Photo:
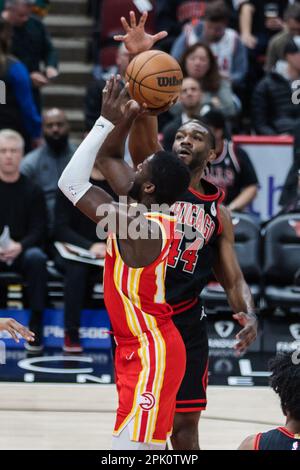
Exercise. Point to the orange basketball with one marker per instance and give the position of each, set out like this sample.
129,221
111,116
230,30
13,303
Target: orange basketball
154,78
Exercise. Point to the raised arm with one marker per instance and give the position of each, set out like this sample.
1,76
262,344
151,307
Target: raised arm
110,158
230,276
143,138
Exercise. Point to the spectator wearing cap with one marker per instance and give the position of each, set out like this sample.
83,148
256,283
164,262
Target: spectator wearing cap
232,170
277,44
275,105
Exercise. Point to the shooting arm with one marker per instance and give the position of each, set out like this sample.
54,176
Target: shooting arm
74,181
110,162
143,138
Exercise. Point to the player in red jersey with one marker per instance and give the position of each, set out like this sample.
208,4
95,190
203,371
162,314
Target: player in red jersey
285,381
190,265
150,354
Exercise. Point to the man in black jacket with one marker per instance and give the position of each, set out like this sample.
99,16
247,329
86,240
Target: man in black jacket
276,107
23,213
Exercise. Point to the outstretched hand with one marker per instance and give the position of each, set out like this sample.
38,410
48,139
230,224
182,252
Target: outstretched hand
116,103
135,38
14,328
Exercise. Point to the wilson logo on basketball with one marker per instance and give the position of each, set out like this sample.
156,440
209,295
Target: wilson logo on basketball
168,81
147,401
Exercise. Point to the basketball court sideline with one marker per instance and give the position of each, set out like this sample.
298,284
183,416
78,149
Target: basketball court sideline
66,416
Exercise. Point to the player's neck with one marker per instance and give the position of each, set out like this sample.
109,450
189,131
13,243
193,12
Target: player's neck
196,181
293,426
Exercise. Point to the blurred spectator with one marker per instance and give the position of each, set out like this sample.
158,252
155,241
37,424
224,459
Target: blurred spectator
19,112
40,7
93,97
45,164
71,226
23,210
277,44
291,190
31,43
260,20
232,170
225,42
274,109
198,62
190,101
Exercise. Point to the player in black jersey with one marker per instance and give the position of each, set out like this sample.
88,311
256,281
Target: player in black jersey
285,381
192,259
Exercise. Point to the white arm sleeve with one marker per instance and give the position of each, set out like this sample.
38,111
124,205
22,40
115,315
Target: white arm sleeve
74,181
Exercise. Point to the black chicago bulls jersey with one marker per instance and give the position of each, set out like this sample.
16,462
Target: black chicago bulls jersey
193,250
277,439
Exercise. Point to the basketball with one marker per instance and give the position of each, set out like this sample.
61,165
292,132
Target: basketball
154,78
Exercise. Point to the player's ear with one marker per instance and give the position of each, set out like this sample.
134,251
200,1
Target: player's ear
212,155
148,187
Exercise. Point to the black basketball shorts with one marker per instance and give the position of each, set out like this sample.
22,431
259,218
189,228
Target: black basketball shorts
192,326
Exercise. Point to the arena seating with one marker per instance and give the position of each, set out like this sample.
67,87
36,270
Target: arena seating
282,262
247,244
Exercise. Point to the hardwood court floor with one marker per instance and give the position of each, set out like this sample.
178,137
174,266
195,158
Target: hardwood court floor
52,416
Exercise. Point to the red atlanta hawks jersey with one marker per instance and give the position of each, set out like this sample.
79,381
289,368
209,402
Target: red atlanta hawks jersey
135,297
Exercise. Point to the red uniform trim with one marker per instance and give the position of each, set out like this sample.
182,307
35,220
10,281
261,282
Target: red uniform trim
189,410
257,441
202,400
205,197
205,377
286,432
220,229
185,307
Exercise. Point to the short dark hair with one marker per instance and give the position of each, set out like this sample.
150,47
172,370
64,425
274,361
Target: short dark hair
199,120
170,176
215,118
217,11
285,381
292,12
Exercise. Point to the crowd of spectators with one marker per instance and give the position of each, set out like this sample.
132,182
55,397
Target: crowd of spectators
240,60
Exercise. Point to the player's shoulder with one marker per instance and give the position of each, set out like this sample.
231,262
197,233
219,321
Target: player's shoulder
248,443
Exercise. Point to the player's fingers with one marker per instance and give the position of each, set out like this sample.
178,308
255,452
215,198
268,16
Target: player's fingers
116,87
25,333
13,334
132,19
124,95
143,19
159,36
125,24
110,85
119,37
